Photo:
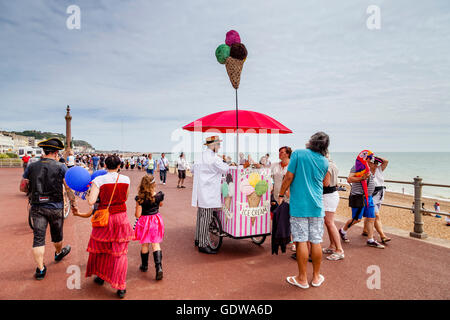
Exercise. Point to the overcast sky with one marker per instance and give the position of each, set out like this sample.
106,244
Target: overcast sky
137,71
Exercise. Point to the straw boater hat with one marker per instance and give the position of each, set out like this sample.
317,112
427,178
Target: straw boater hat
211,140
52,144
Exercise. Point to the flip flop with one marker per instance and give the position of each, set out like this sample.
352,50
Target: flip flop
322,279
291,280
385,240
336,256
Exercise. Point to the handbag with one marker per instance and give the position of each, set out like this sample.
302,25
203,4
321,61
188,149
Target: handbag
101,217
356,201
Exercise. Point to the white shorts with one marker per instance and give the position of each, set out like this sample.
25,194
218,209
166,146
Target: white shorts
378,200
331,201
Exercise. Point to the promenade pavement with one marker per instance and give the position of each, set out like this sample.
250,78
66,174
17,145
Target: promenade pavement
409,269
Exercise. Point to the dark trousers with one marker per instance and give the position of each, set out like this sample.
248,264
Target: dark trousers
163,175
42,217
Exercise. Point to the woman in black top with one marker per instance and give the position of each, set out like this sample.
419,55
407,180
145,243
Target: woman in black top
149,227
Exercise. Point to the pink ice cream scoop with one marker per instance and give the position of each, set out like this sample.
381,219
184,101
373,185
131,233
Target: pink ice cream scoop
232,37
246,188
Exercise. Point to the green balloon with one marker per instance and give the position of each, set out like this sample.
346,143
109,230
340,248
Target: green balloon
225,190
261,187
222,53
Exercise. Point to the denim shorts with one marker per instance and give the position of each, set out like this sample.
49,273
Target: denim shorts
307,229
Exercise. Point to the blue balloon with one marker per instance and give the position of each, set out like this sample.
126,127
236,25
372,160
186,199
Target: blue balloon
78,178
98,173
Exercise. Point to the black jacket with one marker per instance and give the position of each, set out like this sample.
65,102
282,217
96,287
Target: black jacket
281,228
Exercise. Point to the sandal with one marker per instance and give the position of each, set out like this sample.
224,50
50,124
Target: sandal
322,279
385,239
336,256
328,251
364,234
293,281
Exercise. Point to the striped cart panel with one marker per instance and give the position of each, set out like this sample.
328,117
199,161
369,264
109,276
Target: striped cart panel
236,220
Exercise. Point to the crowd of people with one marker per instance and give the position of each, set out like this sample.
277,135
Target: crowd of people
311,209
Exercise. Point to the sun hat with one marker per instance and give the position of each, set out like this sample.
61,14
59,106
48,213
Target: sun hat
211,140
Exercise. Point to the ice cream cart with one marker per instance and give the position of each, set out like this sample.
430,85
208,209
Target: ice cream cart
245,211
245,206
245,196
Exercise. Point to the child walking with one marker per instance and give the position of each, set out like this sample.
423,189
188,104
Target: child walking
149,228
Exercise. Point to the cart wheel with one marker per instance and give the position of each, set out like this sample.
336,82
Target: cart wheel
259,240
215,231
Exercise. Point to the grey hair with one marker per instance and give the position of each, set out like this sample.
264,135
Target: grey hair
319,143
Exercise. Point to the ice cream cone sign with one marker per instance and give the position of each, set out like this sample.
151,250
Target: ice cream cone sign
254,188
228,193
232,53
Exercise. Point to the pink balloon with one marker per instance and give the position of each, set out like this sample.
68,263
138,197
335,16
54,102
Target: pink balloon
246,188
232,37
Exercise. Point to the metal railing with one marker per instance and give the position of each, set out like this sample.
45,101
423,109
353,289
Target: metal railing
10,163
416,208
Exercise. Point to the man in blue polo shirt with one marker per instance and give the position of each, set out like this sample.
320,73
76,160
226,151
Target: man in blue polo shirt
306,176
95,161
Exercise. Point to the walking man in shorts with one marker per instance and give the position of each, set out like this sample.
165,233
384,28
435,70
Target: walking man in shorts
306,175
43,181
367,210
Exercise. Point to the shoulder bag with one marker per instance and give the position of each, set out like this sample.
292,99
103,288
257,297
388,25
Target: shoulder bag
101,217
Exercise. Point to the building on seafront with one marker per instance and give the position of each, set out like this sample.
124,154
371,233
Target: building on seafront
12,142
6,143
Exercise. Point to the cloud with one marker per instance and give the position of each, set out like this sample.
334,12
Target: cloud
138,70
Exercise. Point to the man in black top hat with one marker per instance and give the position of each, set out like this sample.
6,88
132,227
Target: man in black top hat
43,181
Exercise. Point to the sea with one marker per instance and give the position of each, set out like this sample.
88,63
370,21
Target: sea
432,167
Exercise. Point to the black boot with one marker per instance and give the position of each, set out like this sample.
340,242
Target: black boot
157,256
144,265
121,293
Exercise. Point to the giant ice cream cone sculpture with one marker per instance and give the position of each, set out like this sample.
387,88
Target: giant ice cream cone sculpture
234,69
233,54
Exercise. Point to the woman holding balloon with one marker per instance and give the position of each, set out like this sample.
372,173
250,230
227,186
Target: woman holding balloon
108,245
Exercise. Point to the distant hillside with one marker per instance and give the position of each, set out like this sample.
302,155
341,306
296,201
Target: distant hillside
38,135
81,143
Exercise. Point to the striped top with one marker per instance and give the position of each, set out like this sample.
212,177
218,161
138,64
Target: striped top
105,183
357,186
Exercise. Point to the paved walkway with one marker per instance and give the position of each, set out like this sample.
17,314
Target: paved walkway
410,269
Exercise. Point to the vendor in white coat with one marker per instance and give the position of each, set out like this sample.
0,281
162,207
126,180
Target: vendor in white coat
206,190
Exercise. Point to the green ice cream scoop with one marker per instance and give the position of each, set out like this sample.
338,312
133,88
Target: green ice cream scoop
261,187
225,189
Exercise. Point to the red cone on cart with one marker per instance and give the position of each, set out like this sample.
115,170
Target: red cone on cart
234,69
